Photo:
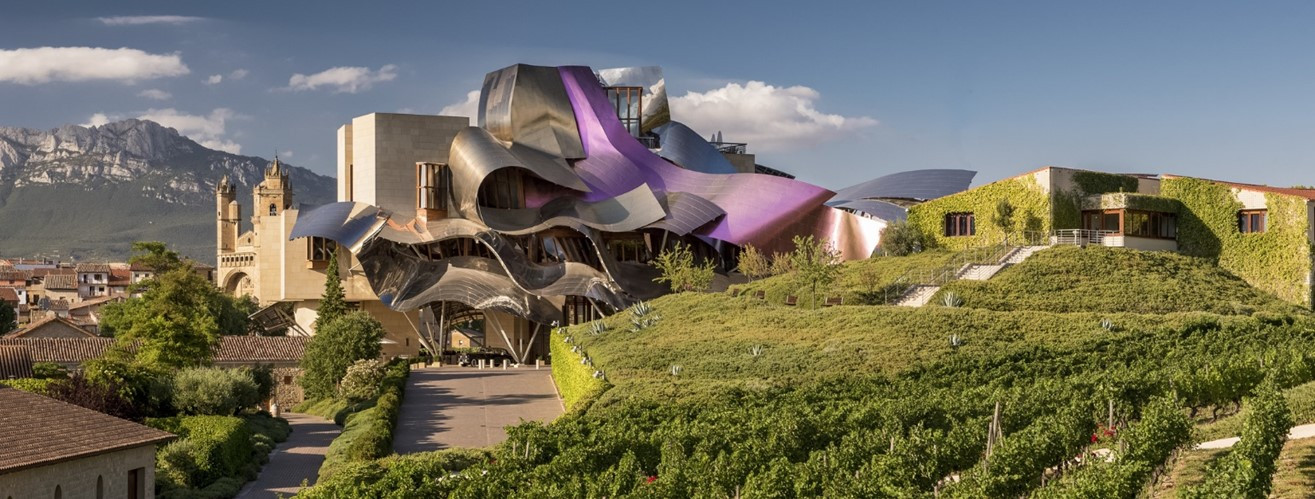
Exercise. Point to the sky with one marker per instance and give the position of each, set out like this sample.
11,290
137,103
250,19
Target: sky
834,92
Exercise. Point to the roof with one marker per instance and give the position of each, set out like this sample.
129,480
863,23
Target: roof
43,272
1307,194
48,319
101,300
140,267
9,295
15,362
231,349
120,277
46,431
92,267
61,281
15,275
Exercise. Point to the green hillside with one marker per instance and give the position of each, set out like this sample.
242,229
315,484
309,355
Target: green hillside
734,396
1100,279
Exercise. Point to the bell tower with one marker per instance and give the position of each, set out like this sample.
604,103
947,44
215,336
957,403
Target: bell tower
273,195
229,216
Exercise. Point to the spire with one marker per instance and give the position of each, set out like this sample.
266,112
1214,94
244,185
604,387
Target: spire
224,185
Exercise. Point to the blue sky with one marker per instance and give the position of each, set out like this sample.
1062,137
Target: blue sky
833,92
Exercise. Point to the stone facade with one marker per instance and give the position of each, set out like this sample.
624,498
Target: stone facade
92,477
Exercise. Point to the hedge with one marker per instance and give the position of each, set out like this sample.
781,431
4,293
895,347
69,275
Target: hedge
575,381
367,432
30,385
214,455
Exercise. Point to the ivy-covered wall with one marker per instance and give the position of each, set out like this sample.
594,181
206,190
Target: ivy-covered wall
1072,186
1277,260
1031,212
1132,201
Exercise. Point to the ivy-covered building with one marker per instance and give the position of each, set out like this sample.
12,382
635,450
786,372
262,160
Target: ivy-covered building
1265,235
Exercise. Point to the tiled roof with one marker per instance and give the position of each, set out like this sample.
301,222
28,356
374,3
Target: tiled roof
1308,194
8,295
15,362
93,267
94,302
60,304
120,277
260,348
15,275
41,431
141,267
230,348
61,281
43,272
49,318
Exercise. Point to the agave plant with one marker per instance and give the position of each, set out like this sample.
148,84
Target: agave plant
675,370
956,341
952,299
1107,324
757,350
597,327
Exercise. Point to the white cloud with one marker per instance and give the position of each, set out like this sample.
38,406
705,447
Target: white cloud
468,107
238,74
286,154
155,94
342,79
208,130
46,64
213,80
768,117
98,119
139,20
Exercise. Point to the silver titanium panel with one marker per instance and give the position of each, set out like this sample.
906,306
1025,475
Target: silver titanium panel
874,208
528,105
684,147
347,223
912,184
686,212
623,213
476,154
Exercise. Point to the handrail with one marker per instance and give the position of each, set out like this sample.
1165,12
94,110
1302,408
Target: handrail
983,255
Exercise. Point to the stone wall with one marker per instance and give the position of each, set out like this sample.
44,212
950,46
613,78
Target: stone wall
287,394
80,478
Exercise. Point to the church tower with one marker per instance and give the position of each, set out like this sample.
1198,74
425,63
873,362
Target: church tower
273,195
229,216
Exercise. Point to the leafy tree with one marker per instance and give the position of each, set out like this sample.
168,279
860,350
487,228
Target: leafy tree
80,391
901,239
336,345
173,324
753,263
8,318
781,263
1004,218
214,391
334,302
49,370
816,262
680,272
157,256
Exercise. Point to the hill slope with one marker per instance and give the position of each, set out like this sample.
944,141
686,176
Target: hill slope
86,192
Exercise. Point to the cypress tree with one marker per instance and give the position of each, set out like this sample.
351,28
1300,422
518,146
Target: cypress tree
334,303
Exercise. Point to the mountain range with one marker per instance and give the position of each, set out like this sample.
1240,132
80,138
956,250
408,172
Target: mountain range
86,193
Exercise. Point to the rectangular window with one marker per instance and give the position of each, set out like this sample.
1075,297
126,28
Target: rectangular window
319,249
1151,224
628,102
432,181
1251,221
960,224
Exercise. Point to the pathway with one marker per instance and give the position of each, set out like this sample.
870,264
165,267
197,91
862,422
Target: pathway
1296,433
296,459
448,407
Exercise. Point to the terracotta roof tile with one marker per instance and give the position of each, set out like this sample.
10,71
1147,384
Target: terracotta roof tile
230,348
43,272
92,267
46,431
15,275
61,281
95,302
9,295
49,318
120,277
15,362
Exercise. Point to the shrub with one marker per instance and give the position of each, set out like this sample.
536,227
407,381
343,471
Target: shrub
753,263
368,433
335,346
680,272
901,239
48,370
211,390
575,381
30,385
105,398
210,448
362,380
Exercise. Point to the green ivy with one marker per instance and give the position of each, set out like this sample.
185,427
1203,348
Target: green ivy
1090,183
1134,201
1277,260
1031,212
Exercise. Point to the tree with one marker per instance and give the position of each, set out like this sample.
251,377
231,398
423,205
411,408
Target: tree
781,263
157,256
8,318
817,263
173,324
1004,218
214,391
334,302
753,263
680,272
901,238
336,345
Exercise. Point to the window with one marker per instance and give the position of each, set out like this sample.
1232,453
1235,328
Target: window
1150,224
287,380
432,181
100,487
319,249
578,310
59,492
273,209
960,224
1251,221
502,189
629,104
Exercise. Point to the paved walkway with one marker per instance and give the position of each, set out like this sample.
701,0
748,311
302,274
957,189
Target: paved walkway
1296,433
294,460
467,407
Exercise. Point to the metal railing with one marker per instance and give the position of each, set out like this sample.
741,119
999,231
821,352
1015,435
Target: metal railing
950,271
1081,237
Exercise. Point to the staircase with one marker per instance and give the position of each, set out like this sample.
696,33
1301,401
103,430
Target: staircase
919,287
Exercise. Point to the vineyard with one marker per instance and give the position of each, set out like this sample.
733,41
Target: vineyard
722,395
